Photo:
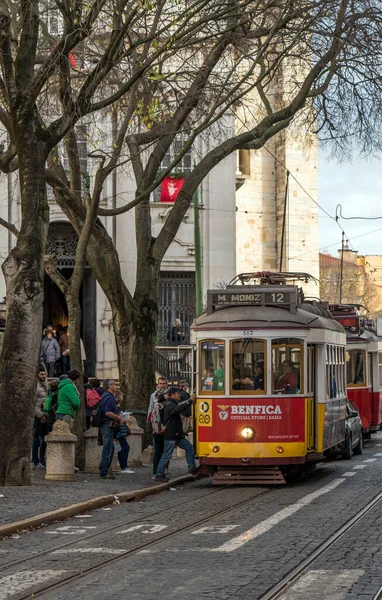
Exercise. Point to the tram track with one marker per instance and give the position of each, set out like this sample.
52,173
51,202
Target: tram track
72,576
294,575
110,529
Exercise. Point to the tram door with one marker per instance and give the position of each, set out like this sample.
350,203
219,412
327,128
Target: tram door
310,400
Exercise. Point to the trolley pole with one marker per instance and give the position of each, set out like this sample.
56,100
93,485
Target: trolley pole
342,265
198,256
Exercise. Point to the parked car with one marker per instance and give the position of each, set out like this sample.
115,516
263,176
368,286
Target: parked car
353,443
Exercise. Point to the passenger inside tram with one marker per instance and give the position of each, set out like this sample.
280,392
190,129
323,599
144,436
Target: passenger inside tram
208,380
219,376
287,382
256,381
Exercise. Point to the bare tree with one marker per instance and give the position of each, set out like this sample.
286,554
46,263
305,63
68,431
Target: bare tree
170,67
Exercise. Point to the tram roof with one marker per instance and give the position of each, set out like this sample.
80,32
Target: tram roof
262,317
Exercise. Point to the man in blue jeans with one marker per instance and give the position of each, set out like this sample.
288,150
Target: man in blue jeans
173,434
110,412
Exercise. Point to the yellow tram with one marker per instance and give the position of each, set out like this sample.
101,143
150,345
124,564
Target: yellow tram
271,382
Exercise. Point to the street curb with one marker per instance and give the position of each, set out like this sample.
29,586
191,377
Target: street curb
87,505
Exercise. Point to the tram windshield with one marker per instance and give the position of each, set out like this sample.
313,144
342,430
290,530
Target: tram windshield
355,367
287,366
248,366
212,369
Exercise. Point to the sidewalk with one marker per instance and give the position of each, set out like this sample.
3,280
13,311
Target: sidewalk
43,496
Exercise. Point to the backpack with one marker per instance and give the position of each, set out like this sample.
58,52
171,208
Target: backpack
92,397
96,417
157,418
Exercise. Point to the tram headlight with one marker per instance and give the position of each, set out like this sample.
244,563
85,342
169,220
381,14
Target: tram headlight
216,449
279,449
247,433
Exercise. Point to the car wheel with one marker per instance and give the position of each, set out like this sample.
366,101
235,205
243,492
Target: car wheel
347,453
359,447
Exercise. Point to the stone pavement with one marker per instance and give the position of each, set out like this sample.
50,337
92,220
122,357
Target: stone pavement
42,496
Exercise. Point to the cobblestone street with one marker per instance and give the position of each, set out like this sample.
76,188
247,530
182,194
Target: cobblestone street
200,541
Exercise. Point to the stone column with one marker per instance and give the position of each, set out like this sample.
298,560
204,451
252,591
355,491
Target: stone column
92,450
60,453
135,442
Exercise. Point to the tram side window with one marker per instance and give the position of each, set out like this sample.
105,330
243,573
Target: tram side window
248,366
335,371
355,367
287,366
212,368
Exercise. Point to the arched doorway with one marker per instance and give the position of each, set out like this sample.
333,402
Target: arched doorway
62,243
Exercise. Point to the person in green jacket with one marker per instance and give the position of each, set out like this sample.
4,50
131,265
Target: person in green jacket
68,398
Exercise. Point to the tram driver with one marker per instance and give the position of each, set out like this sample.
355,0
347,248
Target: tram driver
287,382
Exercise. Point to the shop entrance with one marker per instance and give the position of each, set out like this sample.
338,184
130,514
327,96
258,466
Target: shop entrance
62,243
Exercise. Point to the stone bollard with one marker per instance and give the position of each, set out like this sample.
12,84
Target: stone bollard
147,456
135,442
60,453
92,450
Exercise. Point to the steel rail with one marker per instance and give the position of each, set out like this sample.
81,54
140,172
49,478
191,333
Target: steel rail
114,559
296,573
108,528
378,595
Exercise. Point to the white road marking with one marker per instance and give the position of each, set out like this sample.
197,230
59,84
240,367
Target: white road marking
266,525
214,529
151,528
359,467
22,580
71,529
89,551
316,585
378,454
348,474
369,460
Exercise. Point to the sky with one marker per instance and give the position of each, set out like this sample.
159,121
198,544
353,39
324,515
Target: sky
357,186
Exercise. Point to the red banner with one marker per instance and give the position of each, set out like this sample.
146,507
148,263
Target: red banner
277,420
170,188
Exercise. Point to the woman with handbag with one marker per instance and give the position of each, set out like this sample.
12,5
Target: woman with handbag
123,449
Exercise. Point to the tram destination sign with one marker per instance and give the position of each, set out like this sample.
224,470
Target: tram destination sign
285,296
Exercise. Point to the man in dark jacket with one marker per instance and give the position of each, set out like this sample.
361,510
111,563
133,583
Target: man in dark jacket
173,435
110,412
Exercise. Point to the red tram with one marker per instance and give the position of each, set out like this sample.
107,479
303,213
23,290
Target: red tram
363,365
271,382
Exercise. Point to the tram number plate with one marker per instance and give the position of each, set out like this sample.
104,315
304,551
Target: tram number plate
275,298
247,333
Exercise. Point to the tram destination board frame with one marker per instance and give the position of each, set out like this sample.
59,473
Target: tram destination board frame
285,296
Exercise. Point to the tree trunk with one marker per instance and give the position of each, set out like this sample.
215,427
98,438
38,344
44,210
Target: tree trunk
74,321
24,276
137,364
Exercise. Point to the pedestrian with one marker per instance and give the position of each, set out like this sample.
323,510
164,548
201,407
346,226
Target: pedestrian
111,420
158,442
123,453
51,403
39,425
64,349
68,398
50,352
92,397
175,335
158,428
161,385
174,435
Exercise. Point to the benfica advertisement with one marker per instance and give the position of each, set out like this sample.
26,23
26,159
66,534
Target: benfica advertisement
280,419
170,188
